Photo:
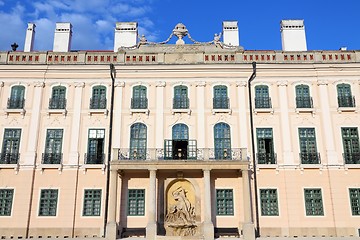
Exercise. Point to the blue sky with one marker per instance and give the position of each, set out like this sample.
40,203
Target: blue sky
329,24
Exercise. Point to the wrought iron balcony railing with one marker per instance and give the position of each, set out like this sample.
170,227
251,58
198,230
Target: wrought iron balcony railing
97,103
139,103
181,103
266,158
352,158
94,158
346,101
200,154
309,158
221,103
263,102
57,103
9,158
16,103
304,102
51,158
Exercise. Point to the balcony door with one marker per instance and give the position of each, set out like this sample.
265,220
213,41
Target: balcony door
222,141
180,147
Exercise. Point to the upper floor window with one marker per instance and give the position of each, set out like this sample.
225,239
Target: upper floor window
180,146
222,141
17,98
181,100
180,131
265,145
53,146
262,99
58,98
308,150
139,99
303,99
138,138
345,99
221,99
98,98
350,139
95,153
10,147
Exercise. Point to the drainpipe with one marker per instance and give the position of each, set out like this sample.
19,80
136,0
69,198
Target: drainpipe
252,77
112,75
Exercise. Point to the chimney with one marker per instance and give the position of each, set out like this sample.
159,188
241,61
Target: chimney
62,37
126,35
29,39
293,35
230,33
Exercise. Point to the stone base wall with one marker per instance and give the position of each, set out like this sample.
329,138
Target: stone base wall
308,232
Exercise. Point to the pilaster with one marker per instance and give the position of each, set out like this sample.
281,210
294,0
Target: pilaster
118,99
200,90
243,116
159,142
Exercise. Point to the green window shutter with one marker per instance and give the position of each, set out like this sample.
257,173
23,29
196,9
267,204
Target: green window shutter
345,98
351,147
98,99
303,99
136,202
139,99
92,202
308,149
10,146
138,139
313,202
269,202
16,100
181,100
355,201
58,98
6,200
48,202
224,202
220,100
262,99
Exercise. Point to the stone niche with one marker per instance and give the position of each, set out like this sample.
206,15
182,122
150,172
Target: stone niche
182,213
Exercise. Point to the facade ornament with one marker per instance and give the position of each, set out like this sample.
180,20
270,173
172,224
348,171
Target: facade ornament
119,84
160,84
1,84
322,82
180,31
282,83
39,84
79,84
200,84
241,84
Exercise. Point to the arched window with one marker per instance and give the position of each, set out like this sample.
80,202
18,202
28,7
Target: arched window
262,99
303,99
181,100
138,137
180,132
222,141
139,99
98,98
345,99
58,100
16,100
220,100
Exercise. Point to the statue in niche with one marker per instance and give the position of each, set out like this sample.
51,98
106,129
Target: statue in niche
180,218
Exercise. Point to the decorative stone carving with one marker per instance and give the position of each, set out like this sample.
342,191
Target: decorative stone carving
160,84
180,31
39,84
200,84
322,82
79,84
282,83
241,84
119,84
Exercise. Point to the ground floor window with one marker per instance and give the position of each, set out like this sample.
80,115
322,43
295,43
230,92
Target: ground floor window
6,198
92,202
48,202
136,202
355,201
224,202
269,202
313,202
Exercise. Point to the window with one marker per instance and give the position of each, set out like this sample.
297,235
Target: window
181,100
222,141
308,150
11,145
313,202
138,141
139,99
269,202
92,202
48,202
180,147
303,99
53,153
351,145
262,99
224,202
58,100
136,202
98,99
345,99
95,154
6,199
265,145
355,201
220,100
180,132
16,100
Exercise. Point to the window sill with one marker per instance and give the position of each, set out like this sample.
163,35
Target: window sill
313,166
305,110
264,110
188,111
11,111
101,166
50,166
269,165
145,110
214,111
98,111
56,111
352,165
346,109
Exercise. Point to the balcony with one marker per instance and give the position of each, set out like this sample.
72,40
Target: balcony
352,158
309,158
97,103
51,158
139,103
304,102
57,103
346,101
266,158
15,103
181,103
9,158
221,103
263,105
94,158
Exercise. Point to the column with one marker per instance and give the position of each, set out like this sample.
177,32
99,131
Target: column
151,207
111,228
76,120
208,225
243,116
288,156
200,101
326,124
248,226
159,127
1,89
116,139
29,158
